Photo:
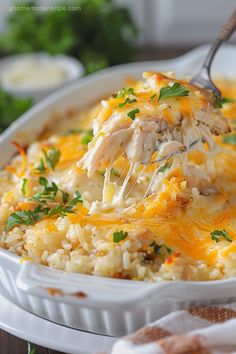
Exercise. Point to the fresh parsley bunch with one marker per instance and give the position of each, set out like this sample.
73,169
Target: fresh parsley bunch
99,34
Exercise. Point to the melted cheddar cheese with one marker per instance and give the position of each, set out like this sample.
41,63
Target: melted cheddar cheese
156,183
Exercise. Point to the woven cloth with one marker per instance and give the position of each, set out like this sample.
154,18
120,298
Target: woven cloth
199,330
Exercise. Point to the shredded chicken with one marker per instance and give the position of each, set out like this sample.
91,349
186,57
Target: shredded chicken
159,130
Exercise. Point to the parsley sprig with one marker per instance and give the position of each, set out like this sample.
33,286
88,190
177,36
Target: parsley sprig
63,210
172,91
26,217
48,192
217,235
77,199
119,236
31,217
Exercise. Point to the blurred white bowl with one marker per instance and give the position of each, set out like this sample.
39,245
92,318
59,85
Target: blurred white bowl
65,70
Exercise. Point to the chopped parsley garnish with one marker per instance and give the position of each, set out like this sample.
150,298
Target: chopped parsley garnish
87,137
119,236
41,167
63,210
228,100
26,217
125,91
23,186
153,96
230,139
52,157
128,100
133,113
49,192
159,249
77,199
31,349
216,235
172,91
220,101
165,167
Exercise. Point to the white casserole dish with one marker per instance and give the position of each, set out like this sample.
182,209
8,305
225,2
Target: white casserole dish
103,305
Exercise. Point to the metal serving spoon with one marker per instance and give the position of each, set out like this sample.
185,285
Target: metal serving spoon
203,77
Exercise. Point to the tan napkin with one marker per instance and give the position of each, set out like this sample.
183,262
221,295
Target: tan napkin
199,330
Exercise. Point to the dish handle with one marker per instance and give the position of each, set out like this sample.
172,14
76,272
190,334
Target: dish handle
97,292
42,281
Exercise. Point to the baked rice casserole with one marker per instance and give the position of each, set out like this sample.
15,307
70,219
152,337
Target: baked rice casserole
140,186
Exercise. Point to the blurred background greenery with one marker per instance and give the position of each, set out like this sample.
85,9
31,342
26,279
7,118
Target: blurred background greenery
101,34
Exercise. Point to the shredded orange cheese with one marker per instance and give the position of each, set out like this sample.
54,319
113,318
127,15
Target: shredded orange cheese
23,158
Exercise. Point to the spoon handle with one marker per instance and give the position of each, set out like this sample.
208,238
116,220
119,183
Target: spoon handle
228,28
223,36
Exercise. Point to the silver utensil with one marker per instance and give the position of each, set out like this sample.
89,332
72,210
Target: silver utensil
203,77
